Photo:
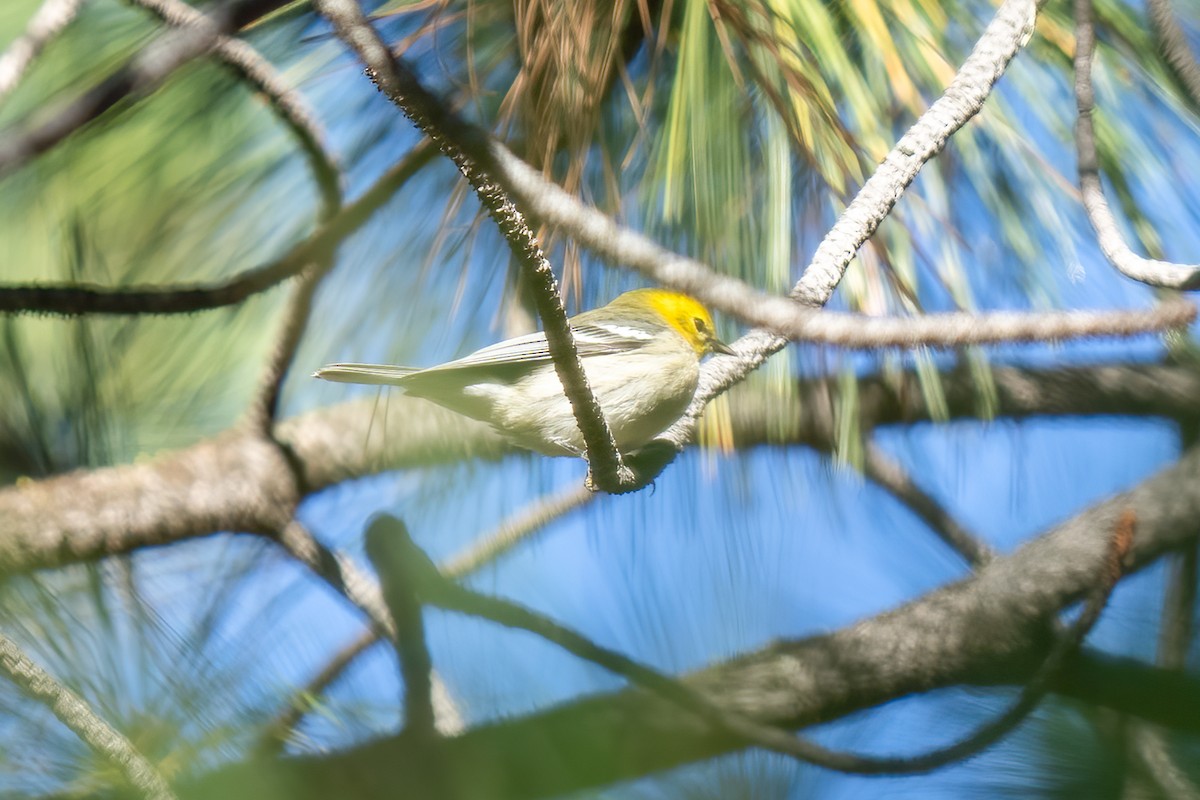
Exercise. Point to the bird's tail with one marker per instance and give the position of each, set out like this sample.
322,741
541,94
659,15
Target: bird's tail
375,374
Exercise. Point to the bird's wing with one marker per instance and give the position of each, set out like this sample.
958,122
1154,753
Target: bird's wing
498,360
591,339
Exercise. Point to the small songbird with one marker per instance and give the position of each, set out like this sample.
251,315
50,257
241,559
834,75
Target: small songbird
641,354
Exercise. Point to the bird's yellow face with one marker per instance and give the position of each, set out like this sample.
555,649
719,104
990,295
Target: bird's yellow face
684,314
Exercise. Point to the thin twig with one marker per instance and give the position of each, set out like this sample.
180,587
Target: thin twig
416,666
73,712
77,299
276,734
892,477
1175,633
352,582
1165,274
433,588
514,530
465,145
47,22
291,107
264,409
141,75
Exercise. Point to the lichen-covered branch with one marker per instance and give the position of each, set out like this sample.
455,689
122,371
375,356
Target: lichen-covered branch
1150,271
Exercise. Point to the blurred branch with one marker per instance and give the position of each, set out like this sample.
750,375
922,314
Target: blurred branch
1151,748
73,712
1179,611
291,107
237,481
1175,633
465,145
76,299
140,76
419,576
352,582
892,477
1150,271
1174,46
48,21
987,629
1007,33
277,732
384,541
484,551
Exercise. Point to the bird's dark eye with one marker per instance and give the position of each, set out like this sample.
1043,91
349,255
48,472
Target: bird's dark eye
701,325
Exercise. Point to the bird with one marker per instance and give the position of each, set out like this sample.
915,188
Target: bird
641,354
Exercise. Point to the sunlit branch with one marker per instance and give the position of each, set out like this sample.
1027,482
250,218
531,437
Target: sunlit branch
891,476
420,575
1151,271
73,712
466,146
1174,46
76,299
291,107
1004,36
47,22
792,320
140,76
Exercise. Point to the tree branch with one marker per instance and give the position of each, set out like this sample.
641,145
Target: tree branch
275,736
983,630
485,551
78,299
291,107
140,76
419,575
1150,271
72,711
48,21
463,145
515,530
892,477
238,481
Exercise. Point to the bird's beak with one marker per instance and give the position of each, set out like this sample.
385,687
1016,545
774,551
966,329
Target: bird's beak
717,346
